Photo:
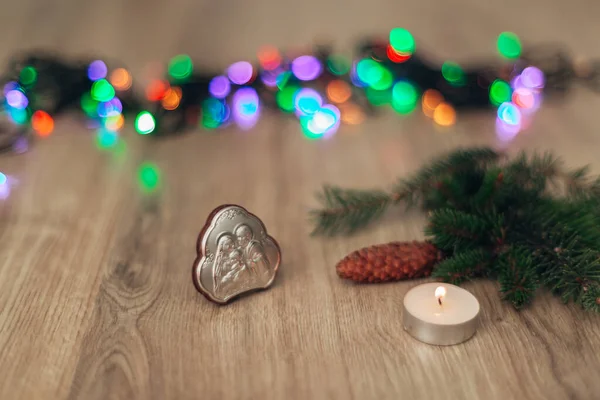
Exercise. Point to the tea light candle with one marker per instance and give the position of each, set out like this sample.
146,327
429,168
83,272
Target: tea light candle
440,314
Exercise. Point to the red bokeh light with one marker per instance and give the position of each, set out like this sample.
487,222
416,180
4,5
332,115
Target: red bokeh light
396,56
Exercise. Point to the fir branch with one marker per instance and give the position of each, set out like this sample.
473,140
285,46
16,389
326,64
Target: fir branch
559,220
546,164
517,277
348,210
492,180
463,266
546,169
577,181
450,229
427,180
590,298
578,272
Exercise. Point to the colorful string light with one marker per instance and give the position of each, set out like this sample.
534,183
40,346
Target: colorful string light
453,73
121,80
28,76
321,90
509,45
42,123
4,186
145,123
500,92
404,97
518,102
240,73
180,67
402,41
149,177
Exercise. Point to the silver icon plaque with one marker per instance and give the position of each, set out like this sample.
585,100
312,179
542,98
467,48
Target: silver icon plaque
235,255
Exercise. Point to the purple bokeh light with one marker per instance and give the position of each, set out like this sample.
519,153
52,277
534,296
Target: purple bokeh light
110,108
506,132
509,122
219,87
4,191
21,145
533,78
270,78
240,72
10,86
97,70
306,68
17,99
5,185
116,103
246,108
516,83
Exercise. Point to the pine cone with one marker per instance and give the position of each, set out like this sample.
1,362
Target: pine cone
394,261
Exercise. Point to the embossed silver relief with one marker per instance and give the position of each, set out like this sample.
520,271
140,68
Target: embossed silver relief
235,255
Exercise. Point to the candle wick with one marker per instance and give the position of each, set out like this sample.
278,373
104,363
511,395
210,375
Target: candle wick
440,300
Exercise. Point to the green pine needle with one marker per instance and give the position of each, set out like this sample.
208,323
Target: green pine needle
517,277
348,210
590,298
452,229
463,266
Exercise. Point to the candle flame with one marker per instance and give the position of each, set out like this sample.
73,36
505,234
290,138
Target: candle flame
440,292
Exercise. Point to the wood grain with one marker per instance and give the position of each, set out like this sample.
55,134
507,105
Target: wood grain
96,300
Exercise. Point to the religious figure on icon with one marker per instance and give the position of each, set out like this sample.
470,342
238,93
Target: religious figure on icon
240,263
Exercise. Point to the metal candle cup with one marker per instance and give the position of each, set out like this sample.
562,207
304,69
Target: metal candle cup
440,314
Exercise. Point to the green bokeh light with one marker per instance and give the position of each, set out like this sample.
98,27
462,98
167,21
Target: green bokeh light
453,74
180,67
385,82
500,92
509,45
214,113
402,41
283,79
149,177
404,97
102,90
209,122
369,71
285,98
89,105
145,123
28,76
338,65
19,115
305,125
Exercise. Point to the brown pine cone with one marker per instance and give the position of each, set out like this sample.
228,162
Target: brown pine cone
394,261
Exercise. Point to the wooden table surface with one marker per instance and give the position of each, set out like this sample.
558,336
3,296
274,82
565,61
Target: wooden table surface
96,300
